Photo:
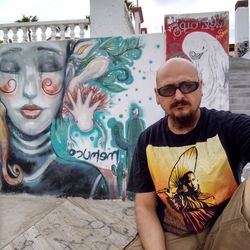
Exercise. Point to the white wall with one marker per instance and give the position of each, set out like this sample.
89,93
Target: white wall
242,32
109,18
241,24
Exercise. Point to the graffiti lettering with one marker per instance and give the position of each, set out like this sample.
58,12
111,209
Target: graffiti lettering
213,23
184,25
221,33
97,155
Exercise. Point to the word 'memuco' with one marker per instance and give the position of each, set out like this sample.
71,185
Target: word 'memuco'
95,155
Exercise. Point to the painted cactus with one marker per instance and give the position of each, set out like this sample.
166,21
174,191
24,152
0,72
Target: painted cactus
134,126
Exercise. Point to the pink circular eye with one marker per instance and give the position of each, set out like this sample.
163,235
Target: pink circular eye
50,87
9,86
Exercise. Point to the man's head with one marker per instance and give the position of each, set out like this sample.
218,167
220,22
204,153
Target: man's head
189,182
178,91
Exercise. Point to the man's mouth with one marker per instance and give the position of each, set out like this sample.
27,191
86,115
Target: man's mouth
31,111
179,104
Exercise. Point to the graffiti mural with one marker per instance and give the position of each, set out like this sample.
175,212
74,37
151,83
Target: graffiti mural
71,112
242,48
203,39
241,45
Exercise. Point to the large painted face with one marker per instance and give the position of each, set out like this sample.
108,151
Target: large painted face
31,83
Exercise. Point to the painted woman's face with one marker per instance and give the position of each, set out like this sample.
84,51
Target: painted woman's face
31,83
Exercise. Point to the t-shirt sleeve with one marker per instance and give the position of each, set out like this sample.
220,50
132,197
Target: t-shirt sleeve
241,135
235,131
140,179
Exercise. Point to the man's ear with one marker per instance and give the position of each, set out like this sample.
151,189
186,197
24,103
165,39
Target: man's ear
156,96
201,86
201,83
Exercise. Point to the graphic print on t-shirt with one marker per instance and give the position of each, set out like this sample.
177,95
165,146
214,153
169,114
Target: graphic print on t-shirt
190,180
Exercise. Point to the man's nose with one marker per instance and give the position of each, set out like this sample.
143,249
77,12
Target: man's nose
30,82
178,94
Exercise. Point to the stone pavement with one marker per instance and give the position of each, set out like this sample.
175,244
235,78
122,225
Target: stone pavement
38,222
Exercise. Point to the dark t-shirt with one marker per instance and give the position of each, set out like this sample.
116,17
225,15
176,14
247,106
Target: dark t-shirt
194,174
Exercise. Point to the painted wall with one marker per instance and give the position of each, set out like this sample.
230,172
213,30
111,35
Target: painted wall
203,39
71,112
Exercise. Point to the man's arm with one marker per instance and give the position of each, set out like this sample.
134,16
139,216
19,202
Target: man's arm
148,224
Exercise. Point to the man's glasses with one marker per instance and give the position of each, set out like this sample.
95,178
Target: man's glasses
185,87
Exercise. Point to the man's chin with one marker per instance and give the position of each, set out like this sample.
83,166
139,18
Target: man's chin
183,118
182,114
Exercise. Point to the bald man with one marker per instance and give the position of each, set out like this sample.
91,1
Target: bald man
170,213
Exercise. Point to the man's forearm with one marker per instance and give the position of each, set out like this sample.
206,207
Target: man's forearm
150,230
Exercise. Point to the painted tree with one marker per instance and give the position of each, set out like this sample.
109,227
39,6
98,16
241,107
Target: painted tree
28,19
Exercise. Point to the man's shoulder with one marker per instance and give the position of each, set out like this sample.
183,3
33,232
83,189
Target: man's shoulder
153,132
155,126
223,120
219,114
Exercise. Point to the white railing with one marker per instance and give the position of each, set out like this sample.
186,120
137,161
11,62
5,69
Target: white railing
40,31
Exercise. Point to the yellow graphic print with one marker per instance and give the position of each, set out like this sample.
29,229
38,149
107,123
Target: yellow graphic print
191,182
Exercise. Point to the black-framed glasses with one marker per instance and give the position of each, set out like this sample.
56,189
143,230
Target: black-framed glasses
185,87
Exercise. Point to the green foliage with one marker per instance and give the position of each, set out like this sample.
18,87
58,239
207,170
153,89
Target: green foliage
27,19
121,52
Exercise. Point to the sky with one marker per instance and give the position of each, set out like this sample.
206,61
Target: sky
153,10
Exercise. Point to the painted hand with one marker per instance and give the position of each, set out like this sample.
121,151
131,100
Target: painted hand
82,111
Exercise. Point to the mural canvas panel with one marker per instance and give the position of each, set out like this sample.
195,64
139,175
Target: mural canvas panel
71,112
203,38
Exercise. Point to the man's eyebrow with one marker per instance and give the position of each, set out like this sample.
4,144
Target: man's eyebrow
10,51
40,48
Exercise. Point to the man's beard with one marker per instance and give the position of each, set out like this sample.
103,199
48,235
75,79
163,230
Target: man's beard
185,121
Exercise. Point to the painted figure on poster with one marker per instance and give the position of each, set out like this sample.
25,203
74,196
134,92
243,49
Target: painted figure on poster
211,61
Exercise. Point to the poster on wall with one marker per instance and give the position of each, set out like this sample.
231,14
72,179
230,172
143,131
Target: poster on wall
203,38
71,112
